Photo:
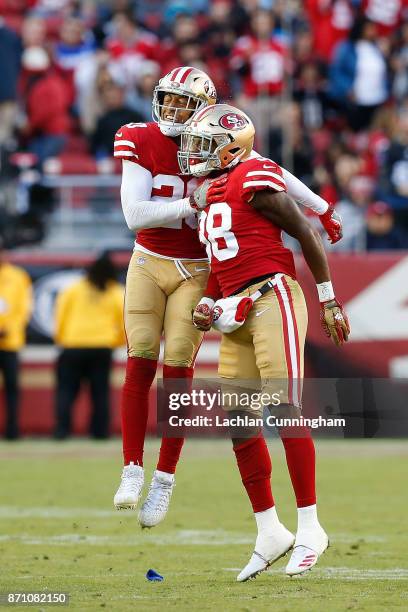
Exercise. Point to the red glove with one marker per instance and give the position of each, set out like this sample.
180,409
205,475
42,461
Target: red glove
334,321
209,192
203,315
331,222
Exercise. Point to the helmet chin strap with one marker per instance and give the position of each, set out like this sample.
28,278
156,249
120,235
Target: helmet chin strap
172,130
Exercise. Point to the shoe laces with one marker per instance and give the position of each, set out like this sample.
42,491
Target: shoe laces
159,495
131,478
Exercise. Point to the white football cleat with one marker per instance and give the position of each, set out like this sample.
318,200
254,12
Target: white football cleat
268,548
131,485
308,547
157,502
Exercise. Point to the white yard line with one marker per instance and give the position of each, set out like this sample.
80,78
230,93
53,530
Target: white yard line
327,573
192,537
345,573
16,512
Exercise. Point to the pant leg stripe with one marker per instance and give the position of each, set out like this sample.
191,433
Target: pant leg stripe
298,379
290,340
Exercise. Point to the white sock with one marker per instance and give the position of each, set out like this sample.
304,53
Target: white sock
267,520
165,476
307,518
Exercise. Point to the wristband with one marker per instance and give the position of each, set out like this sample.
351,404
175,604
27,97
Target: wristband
207,301
325,291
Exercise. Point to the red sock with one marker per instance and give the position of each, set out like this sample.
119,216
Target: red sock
300,458
255,467
170,448
140,373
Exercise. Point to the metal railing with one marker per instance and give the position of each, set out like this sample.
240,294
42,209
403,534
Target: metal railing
87,213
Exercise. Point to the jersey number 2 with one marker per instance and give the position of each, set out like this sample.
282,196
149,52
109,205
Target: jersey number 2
216,234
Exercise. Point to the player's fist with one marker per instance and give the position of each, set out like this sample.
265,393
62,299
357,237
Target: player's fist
209,192
332,223
334,321
203,314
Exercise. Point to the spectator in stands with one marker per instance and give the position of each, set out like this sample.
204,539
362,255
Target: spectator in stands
400,66
382,233
129,46
259,60
353,209
88,326
289,145
395,168
90,79
386,15
47,105
116,114
15,308
309,92
10,53
358,75
34,32
219,38
185,30
331,21
140,99
75,44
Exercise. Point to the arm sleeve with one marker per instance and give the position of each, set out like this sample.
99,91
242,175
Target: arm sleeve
302,194
139,210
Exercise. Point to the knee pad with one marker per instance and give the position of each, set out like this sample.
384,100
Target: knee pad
180,352
143,342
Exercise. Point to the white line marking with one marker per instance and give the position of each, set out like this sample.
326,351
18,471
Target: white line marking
55,512
210,537
345,573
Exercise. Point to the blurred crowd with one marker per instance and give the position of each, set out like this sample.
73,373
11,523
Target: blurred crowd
325,81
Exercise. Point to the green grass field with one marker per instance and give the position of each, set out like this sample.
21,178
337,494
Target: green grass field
59,531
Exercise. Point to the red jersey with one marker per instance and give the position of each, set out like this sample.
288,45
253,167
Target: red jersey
145,46
144,144
387,15
241,243
266,61
331,21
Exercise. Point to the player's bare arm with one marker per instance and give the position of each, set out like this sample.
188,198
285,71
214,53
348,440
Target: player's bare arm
281,210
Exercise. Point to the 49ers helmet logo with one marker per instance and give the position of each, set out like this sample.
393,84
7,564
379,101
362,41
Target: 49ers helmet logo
233,121
217,312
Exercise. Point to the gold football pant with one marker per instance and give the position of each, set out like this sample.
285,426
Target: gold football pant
267,351
160,295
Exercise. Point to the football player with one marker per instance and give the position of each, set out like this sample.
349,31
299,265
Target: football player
264,312
166,277
167,272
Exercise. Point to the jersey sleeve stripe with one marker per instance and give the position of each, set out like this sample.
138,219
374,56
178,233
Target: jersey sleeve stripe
127,143
125,154
271,184
266,173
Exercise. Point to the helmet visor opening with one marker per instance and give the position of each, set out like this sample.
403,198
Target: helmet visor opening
198,153
174,107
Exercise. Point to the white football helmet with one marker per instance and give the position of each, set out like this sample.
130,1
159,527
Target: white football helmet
216,138
187,81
